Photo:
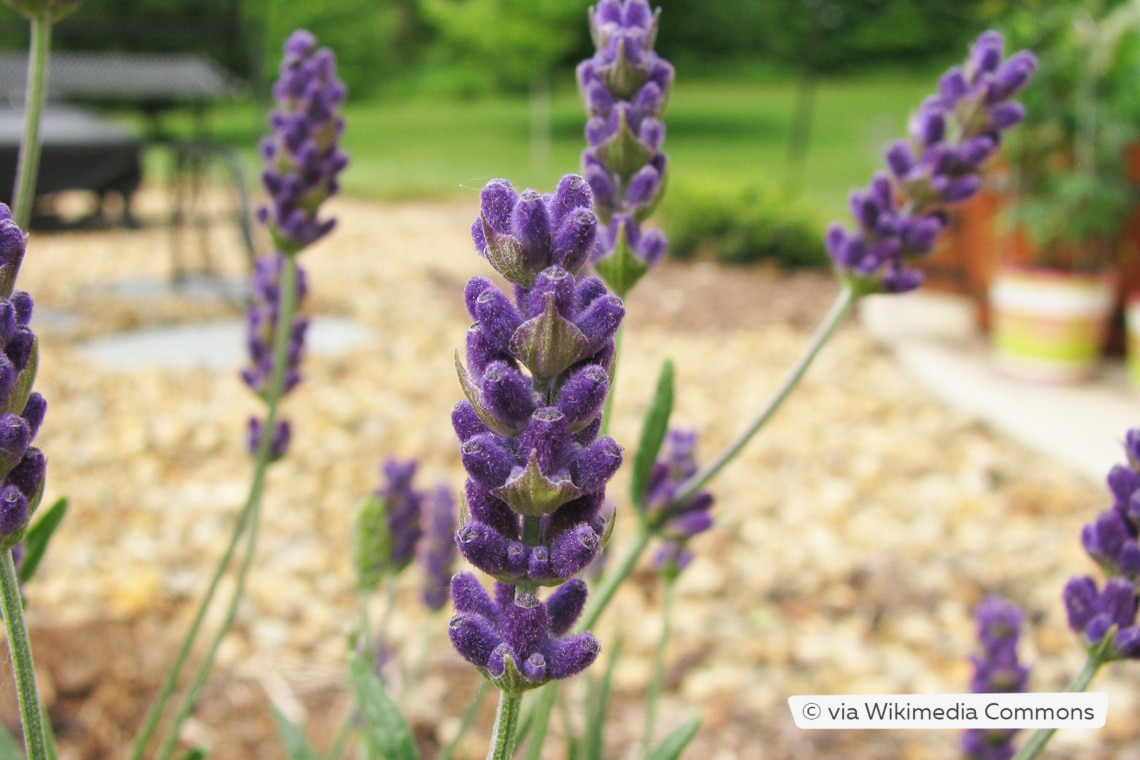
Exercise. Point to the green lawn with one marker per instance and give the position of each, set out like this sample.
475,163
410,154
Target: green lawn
728,133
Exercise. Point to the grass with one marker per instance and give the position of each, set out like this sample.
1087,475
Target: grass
726,133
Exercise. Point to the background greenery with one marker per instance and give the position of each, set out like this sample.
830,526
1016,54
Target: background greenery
443,93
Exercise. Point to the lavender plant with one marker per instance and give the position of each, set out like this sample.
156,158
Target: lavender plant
997,670
303,161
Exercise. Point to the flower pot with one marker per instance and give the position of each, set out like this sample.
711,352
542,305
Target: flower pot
1132,331
1049,326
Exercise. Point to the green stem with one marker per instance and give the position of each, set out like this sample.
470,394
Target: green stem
28,162
23,669
467,720
506,720
659,663
247,516
839,309
1036,744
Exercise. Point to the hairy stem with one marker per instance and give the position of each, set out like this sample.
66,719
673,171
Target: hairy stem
20,649
839,309
1036,744
28,162
506,721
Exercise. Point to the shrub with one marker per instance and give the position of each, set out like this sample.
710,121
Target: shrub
740,228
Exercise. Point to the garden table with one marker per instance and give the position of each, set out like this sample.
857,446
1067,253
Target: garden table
80,152
151,84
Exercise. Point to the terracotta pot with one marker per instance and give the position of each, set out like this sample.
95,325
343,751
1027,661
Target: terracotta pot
1049,326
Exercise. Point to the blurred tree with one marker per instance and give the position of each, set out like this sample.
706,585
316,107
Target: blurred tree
515,42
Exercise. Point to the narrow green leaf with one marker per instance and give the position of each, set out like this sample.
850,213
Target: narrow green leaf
293,738
674,744
198,753
653,431
9,747
593,740
386,733
37,537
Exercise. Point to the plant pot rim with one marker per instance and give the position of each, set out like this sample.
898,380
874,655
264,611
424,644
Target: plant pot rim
1056,273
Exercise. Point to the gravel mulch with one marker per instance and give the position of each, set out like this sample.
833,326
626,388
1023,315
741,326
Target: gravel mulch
853,537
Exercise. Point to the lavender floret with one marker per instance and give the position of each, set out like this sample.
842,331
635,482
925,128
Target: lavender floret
996,671
954,132
517,640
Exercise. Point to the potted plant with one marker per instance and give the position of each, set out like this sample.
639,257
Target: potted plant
1055,286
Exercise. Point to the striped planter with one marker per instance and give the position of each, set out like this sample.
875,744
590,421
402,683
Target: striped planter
1132,325
1049,326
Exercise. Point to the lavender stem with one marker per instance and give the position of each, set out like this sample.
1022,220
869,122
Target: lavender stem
839,309
23,669
1036,744
28,163
607,407
506,721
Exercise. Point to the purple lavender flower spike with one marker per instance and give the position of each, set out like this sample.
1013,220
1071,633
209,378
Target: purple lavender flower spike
676,523
535,383
996,671
22,410
303,158
437,549
404,509
953,133
1112,541
625,87
516,640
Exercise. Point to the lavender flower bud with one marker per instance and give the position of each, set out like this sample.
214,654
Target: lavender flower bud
438,548
28,477
279,443
13,516
14,439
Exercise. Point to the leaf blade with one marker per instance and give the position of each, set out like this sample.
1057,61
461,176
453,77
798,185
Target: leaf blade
653,430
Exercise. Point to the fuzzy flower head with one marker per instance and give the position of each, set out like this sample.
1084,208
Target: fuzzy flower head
899,216
1105,618
388,525
677,523
625,86
303,157
535,381
22,410
516,640
996,671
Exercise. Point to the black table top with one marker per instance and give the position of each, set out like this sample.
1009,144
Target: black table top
63,125
141,78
